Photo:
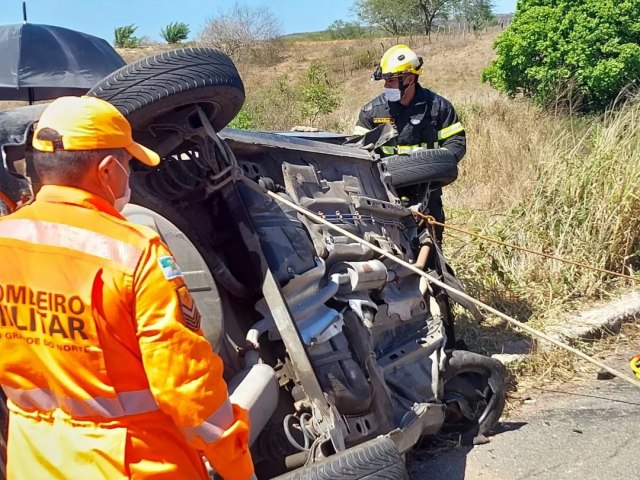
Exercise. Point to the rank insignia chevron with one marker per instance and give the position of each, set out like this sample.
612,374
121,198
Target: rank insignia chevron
190,314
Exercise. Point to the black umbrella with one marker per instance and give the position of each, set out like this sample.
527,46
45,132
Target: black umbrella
42,62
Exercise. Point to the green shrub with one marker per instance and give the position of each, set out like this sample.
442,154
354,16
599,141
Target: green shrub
175,32
124,37
319,92
243,120
583,53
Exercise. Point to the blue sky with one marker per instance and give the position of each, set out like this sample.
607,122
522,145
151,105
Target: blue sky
100,17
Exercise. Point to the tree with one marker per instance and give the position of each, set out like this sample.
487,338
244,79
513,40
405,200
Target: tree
402,16
175,32
240,30
393,16
477,13
428,10
124,37
582,53
341,30
319,92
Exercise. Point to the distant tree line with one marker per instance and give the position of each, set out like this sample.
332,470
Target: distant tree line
402,17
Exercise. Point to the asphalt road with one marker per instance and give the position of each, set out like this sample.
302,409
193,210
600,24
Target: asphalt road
586,430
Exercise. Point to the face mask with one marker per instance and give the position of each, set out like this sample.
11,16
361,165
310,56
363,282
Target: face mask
392,94
120,202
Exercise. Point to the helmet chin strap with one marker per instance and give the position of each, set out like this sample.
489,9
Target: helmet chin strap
402,86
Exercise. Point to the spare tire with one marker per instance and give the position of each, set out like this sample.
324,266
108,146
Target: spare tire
423,166
150,88
377,459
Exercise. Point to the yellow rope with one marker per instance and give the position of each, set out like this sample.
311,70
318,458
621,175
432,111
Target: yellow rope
435,281
432,221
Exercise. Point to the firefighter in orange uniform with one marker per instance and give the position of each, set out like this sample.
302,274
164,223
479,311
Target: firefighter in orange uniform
103,362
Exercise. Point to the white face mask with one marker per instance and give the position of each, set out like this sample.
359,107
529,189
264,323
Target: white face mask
120,202
392,94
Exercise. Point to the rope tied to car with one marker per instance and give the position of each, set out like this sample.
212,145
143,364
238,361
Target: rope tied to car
432,280
433,222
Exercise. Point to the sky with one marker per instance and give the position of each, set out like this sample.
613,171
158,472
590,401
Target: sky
100,17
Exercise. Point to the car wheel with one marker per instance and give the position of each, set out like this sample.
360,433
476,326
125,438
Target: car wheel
156,86
436,166
376,459
474,391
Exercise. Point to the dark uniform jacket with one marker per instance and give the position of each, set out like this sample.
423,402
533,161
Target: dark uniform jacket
429,121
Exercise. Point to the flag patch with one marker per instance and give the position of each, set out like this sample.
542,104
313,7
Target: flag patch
169,267
190,314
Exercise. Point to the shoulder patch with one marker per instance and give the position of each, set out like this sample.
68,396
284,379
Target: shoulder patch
190,314
381,119
169,267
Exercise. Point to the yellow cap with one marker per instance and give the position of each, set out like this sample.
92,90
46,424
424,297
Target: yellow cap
89,123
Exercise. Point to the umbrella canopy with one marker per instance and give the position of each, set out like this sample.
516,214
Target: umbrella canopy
42,62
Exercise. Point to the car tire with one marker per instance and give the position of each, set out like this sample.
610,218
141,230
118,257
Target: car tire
148,89
377,459
437,166
464,375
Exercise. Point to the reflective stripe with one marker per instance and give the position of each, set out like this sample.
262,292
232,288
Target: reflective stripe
213,427
358,130
387,150
410,148
124,403
73,238
450,130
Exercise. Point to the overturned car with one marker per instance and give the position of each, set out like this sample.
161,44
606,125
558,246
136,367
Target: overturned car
344,358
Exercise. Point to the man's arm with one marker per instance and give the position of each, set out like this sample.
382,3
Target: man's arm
451,135
364,123
185,375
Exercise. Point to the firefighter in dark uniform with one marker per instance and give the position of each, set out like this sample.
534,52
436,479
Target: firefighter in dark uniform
423,120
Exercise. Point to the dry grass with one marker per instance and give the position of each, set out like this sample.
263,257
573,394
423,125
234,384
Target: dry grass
577,199
452,68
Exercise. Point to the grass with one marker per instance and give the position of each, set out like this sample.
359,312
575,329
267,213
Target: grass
575,196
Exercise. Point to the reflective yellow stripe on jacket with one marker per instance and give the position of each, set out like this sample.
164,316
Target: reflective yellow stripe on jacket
450,131
403,149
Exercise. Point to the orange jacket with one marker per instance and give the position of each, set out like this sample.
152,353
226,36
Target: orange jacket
103,361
